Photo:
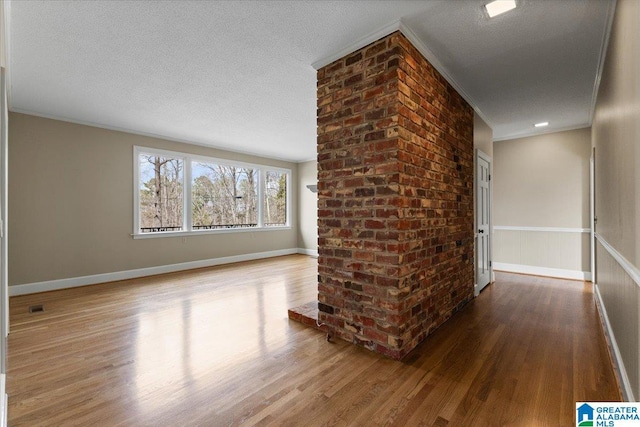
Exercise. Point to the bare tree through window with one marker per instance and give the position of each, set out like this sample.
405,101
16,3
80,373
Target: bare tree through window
223,196
161,193
178,192
275,198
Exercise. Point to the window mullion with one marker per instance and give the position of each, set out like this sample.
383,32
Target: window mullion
261,192
188,217
287,208
136,190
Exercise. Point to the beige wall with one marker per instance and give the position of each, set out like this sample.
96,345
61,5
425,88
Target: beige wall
543,182
3,37
307,206
616,138
71,205
482,136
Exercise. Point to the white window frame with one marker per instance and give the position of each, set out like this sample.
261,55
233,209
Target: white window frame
261,193
187,220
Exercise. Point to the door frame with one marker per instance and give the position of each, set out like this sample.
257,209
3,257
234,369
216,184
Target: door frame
592,213
480,154
4,167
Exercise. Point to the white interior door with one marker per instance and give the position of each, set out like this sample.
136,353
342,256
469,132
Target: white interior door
483,221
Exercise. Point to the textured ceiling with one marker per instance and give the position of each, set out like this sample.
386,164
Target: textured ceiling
238,75
534,64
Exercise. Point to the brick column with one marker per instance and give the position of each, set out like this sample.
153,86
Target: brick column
395,215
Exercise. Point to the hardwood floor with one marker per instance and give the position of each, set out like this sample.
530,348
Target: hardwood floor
214,347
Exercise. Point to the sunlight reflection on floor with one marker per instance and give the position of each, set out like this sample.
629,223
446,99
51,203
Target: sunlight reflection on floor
178,345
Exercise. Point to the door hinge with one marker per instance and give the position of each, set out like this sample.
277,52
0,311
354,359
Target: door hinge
490,263
489,177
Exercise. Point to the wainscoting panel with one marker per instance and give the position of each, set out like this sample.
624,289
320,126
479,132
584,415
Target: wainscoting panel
618,294
540,250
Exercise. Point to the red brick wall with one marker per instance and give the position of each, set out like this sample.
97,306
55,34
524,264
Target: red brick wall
395,215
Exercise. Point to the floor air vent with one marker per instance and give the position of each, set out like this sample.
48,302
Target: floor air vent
36,308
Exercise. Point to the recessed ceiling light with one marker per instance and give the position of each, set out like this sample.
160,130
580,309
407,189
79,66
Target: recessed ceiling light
499,7
542,124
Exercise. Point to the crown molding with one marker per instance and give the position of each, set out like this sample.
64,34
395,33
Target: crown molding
543,132
419,44
149,135
358,44
603,56
435,62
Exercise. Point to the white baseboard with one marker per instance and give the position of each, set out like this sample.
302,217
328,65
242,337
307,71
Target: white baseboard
53,285
4,403
608,330
542,271
310,252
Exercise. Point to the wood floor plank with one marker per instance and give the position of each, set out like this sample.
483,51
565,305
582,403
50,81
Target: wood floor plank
213,347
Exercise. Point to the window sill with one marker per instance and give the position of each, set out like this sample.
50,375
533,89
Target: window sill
202,232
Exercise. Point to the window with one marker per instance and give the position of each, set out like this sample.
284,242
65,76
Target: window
178,193
161,193
223,196
275,198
